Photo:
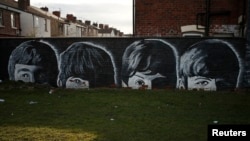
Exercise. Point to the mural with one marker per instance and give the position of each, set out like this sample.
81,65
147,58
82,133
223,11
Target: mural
210,65
151,64
35,62
86,65
80,63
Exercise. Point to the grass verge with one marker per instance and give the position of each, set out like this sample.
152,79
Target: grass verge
29,113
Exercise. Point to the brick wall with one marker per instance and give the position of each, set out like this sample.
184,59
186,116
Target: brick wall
165,17
6,29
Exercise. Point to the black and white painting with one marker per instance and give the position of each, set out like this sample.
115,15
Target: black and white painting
150,64
136,63
211,65
34,62
86,65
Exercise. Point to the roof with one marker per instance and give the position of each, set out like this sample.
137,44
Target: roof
39,12
10,3
93,27
107,31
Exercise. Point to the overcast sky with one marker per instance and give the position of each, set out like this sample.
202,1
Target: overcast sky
116,13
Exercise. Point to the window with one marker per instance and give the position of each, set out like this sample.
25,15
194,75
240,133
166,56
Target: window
36,21
67,30
13,20
45,25
1,18
61,27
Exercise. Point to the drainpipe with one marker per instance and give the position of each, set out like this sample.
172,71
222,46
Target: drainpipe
243,26
133,17
248,23
207,27
247,57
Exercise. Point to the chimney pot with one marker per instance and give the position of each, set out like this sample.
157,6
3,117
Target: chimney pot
106,26
57,13
101,26
87,22
23,4
71,17
95,24
46,9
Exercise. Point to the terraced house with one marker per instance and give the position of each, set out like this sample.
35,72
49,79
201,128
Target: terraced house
9,19
20,19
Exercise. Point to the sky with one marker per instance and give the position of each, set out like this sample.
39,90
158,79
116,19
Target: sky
115,13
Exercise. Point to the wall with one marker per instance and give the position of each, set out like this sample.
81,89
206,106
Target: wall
34,26
26,25
165,17
39,27
138,63
72,30
57,27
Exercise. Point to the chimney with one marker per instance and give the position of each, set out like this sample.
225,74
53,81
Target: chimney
74,19
23,4
106,26
87,22
71,17
95,24
101,26
57,13
46,9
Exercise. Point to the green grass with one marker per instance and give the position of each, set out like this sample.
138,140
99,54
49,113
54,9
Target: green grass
31,113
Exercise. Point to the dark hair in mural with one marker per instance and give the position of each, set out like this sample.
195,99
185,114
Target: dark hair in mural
152,57
87,62
213,59
33,61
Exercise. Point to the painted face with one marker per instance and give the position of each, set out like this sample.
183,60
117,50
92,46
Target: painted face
141,79
200,82
77,83
28,73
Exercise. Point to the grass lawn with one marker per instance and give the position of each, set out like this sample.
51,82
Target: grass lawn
31,113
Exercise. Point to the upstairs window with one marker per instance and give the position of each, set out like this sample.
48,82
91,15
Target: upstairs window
36,21
13,20
45,25
1,18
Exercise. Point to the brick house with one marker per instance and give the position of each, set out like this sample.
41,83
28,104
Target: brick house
9,20
56,22
74,27
106,31
91,29
19,18
170,17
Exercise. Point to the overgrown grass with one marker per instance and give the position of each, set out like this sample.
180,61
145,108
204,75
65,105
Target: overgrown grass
31,113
